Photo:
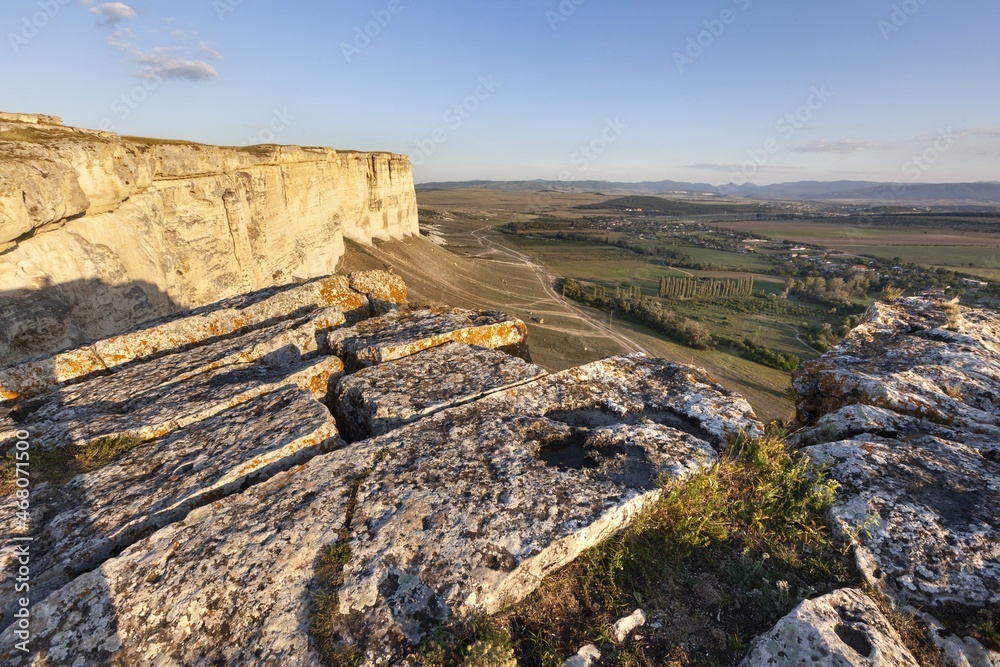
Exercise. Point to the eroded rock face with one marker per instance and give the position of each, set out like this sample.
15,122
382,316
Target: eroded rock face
77,526
381,398
451,515
907,412
109,233
406,332
842,629
905,358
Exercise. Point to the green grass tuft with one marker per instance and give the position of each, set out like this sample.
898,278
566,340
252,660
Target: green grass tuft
61,464
716,562
325,607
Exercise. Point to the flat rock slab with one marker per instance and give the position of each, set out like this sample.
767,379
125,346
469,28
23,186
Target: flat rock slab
923,514
283,344
165,408
225,318
76,526
405,332
452,515
231,584
909,359
381,398
842,629
385,291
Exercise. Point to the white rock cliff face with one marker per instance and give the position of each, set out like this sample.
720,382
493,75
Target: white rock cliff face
98,233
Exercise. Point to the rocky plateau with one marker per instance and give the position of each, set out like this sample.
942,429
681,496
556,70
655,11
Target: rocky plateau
277,421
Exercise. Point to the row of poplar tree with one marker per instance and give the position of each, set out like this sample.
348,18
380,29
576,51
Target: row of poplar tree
696,288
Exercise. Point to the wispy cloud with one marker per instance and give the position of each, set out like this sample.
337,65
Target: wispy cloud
986,133
840,146
186,61
113,12
159,65
712,166
207,50
731,166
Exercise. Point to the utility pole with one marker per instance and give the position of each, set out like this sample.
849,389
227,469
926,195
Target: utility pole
611,318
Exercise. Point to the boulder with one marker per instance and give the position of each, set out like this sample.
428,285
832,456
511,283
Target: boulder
406,332
842,629
381,398
78,525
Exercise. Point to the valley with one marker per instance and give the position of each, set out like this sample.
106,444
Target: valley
518,251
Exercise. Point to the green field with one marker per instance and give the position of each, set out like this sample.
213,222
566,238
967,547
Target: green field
618,251
611,267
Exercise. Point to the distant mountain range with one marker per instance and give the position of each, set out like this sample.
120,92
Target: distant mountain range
861,191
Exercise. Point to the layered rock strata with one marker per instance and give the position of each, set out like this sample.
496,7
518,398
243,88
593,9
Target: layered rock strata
99,233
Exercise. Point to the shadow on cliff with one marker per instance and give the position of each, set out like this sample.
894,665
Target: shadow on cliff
41,322
55,317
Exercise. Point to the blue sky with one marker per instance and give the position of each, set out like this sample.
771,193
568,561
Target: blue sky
706,91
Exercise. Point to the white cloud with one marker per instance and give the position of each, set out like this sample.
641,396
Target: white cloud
841,146
159,66
113,12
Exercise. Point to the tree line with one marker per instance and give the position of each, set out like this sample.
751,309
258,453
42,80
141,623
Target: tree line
697,288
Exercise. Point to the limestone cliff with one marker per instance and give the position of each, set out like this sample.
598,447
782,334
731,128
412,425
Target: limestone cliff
99,233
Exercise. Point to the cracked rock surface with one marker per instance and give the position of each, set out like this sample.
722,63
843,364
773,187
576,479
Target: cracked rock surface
451,515
906,411
842,629
405,332
78,525
381,398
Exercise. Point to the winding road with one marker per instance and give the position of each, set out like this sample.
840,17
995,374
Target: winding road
546,280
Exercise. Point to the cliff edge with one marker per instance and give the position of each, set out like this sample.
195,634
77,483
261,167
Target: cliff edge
99,233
